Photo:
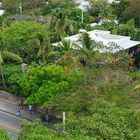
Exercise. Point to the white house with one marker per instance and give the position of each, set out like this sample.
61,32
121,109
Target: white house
85,4
124,42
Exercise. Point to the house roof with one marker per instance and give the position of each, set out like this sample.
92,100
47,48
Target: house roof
124,42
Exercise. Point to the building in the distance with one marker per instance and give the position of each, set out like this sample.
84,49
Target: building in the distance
1,9
85,4
106,38
111,43
110,1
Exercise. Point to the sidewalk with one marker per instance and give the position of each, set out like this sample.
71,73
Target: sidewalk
12,108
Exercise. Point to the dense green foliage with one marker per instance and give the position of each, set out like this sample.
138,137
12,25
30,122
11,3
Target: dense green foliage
127,29
20,32
35,131
20,38
133,11
4,135
100,8
93,88
106,122
118,8
40,84
9,70
101,120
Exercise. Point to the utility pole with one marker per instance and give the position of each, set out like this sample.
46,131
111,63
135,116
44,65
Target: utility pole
20,7
64,122
82,15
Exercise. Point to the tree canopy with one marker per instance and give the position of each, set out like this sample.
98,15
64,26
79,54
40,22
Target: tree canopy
92,83
18,38
41,84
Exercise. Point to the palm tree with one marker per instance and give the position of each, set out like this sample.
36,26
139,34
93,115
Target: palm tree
65,46
61,23
44,46
1,22
88,52
42,43
5,55
69,57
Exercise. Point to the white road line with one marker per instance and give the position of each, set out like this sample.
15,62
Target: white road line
10,115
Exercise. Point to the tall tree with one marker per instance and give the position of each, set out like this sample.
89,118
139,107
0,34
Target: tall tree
119,7
88,52
19,38
69,57
100,8
42,43
133,11
61,23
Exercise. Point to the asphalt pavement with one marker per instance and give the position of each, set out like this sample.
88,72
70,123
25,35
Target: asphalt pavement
12,108
8,119
10,123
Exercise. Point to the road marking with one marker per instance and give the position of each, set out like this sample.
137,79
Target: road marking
10,115
9,127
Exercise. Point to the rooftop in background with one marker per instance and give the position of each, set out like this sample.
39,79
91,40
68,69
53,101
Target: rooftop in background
85,4
1,9
110,1
106,38
1,12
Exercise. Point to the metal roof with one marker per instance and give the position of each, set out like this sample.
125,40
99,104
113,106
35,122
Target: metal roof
124,42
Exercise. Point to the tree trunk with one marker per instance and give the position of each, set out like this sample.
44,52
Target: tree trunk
85,74
2,76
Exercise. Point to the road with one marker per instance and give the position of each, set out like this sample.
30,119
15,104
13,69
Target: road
10,123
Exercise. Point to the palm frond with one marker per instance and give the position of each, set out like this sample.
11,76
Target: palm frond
41,51
53,53
34,42
136,87
74,65
12,56
69,24
65,45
